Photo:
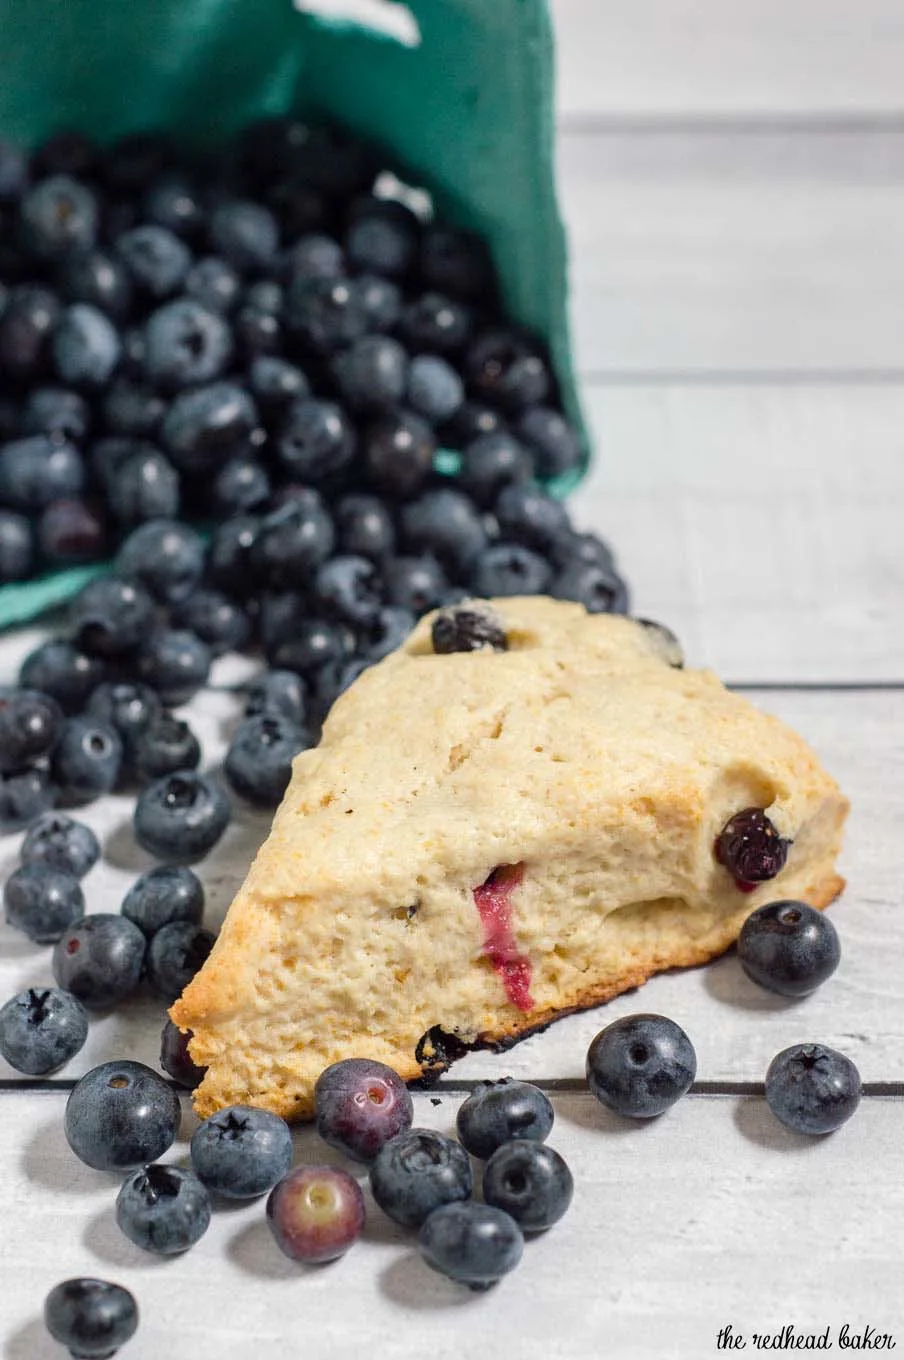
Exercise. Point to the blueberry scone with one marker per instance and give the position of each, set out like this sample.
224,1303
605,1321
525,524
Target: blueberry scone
524,810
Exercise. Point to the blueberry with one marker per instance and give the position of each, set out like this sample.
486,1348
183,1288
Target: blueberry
175,663
315,256
130,408
435,323
365,527
174,203
207,425
175,953
110,616
166,745
186,343
59,669
163,895
554,443
72,531
258,763
156,259
474,1244
42,901
456,261
26,324
508,369
371,374
751,849
214,283
99,960
315,439
316,1213
529,1181
41,1029
390,629
181,817
167,557
313,645
281,616
414,583
128,706
416,1172
175,1058
812,1088
137,159
30,726
381,300
144,486
17,551
640,1065
663,642
241,1152
789,948
92,1318
527,515
599,589
359,1105
382,238
469,627
447,523
229,555
163,1209
509,569
65,153
56,411
499,1111
24,796
86,760
59,215
121,1116
240,485
334,679
37,470
491,462
434,390
265,295
280,692
275,383
13,172
62,844
293,541
326,314
398,452
245,234
348,589
256,331
86,346
215,619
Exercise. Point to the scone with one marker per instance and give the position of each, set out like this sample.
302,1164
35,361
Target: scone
486,840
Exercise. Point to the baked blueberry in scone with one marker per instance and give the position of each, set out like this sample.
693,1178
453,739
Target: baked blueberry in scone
529,820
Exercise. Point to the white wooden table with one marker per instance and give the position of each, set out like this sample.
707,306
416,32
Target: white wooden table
733,179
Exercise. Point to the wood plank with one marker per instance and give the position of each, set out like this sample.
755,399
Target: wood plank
692,58
761,522
712,1214
735,1027
717,253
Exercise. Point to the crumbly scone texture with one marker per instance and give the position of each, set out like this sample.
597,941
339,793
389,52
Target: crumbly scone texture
580,754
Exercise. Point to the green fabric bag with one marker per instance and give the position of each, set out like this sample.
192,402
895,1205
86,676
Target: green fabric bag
467,112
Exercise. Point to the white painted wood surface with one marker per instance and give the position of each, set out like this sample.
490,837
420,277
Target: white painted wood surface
710,1215
731,176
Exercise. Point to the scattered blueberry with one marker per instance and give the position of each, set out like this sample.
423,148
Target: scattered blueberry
100,960
640,1065
474,1244
529,1181
121,1116
175,953
175,1058
316,1213
499,1111
24,795
64,672
92,1318
175,663
163,1209
30,726
41,1029
469,627
789,948
127,706
417,1171
751,849
241,1152
181,817
86,760
163,895
62,844
359,1105
42,901
812,1088
110,616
